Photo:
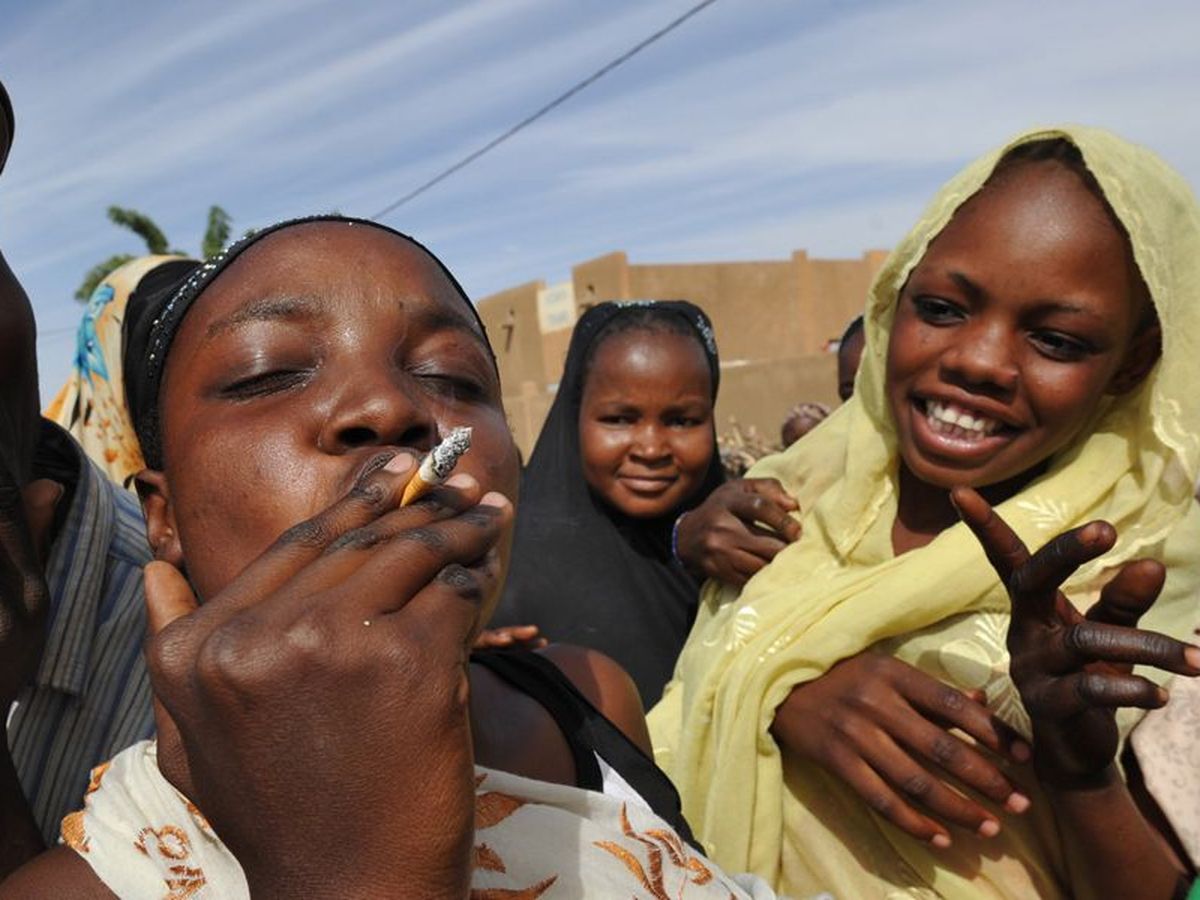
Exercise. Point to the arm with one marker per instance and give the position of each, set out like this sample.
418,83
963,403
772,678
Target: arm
725,538
1073,673
607,686
20,838
25,515
57,874
316,708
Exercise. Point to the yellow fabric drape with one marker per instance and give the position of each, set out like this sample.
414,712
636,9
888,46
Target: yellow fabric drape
91,405
840,589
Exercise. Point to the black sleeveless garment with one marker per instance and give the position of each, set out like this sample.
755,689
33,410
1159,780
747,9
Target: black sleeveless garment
588,733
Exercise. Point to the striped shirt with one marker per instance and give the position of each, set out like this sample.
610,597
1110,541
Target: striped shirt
91,696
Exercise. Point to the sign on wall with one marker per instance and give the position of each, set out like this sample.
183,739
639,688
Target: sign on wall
556,307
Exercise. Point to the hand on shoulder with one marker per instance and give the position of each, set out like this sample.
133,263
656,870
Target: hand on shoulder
737,530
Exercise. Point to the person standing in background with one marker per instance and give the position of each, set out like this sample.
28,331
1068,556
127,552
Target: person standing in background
73,683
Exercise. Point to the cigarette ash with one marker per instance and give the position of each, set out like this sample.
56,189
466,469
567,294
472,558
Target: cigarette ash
447,453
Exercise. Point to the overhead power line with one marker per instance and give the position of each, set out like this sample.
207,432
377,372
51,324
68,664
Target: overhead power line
57,332
556,102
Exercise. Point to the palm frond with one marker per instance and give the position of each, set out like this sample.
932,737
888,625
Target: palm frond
98,273
142,225
216,235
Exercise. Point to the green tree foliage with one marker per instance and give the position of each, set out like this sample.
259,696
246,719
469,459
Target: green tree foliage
97,273
216,236
141,225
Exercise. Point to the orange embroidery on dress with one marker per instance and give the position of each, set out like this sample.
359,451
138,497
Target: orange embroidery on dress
184,882
492,808
656,841
170,842
701,874
198,816
487,859
96,776
529,893
72,832
679,854
634,865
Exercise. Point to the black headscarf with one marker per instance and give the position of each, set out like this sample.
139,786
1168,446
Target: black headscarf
162,299
583,572
8,126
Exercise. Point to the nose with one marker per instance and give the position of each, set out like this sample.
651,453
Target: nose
984,359
383,408
650,444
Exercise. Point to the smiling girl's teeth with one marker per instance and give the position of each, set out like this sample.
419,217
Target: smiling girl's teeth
955,422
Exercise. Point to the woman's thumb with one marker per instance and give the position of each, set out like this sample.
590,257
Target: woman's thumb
168,596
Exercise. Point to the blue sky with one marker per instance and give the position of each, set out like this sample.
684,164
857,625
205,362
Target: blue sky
756,128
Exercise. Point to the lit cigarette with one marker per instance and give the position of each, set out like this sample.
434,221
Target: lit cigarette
437,465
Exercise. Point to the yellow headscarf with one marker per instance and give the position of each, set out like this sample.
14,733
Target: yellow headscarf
91,405
840,589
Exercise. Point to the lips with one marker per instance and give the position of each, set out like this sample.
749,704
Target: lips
374,461
958,422
646,484
950,431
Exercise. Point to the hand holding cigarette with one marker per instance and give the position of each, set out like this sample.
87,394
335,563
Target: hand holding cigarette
437,465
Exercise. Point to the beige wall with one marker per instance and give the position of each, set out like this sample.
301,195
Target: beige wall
773,319
511,318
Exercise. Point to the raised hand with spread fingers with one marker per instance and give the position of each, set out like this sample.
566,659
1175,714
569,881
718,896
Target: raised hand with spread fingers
1073,672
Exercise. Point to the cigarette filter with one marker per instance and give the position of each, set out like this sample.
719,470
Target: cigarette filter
437,465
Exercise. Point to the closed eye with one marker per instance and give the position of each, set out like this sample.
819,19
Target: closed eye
457,388
265,383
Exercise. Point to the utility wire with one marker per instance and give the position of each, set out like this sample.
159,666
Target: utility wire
57,332
557,101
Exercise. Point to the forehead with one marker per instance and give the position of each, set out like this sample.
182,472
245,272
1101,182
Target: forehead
337,263
624,356
661,340
1037,208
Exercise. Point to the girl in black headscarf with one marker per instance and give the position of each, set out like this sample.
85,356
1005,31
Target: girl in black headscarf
629,445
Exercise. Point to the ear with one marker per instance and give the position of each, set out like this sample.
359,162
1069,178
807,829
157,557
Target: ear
161,530
1144,351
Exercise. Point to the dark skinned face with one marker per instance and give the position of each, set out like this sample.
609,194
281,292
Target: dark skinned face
318,347
19,415
849,358
645,421
1019,318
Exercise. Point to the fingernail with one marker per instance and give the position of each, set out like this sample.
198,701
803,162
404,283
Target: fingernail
493,498
990,828
399,463
1016,803
1021,751
1192,656
1163,696
941,841
460,480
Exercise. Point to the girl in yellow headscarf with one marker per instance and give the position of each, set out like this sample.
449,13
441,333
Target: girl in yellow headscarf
91,404
1013,345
